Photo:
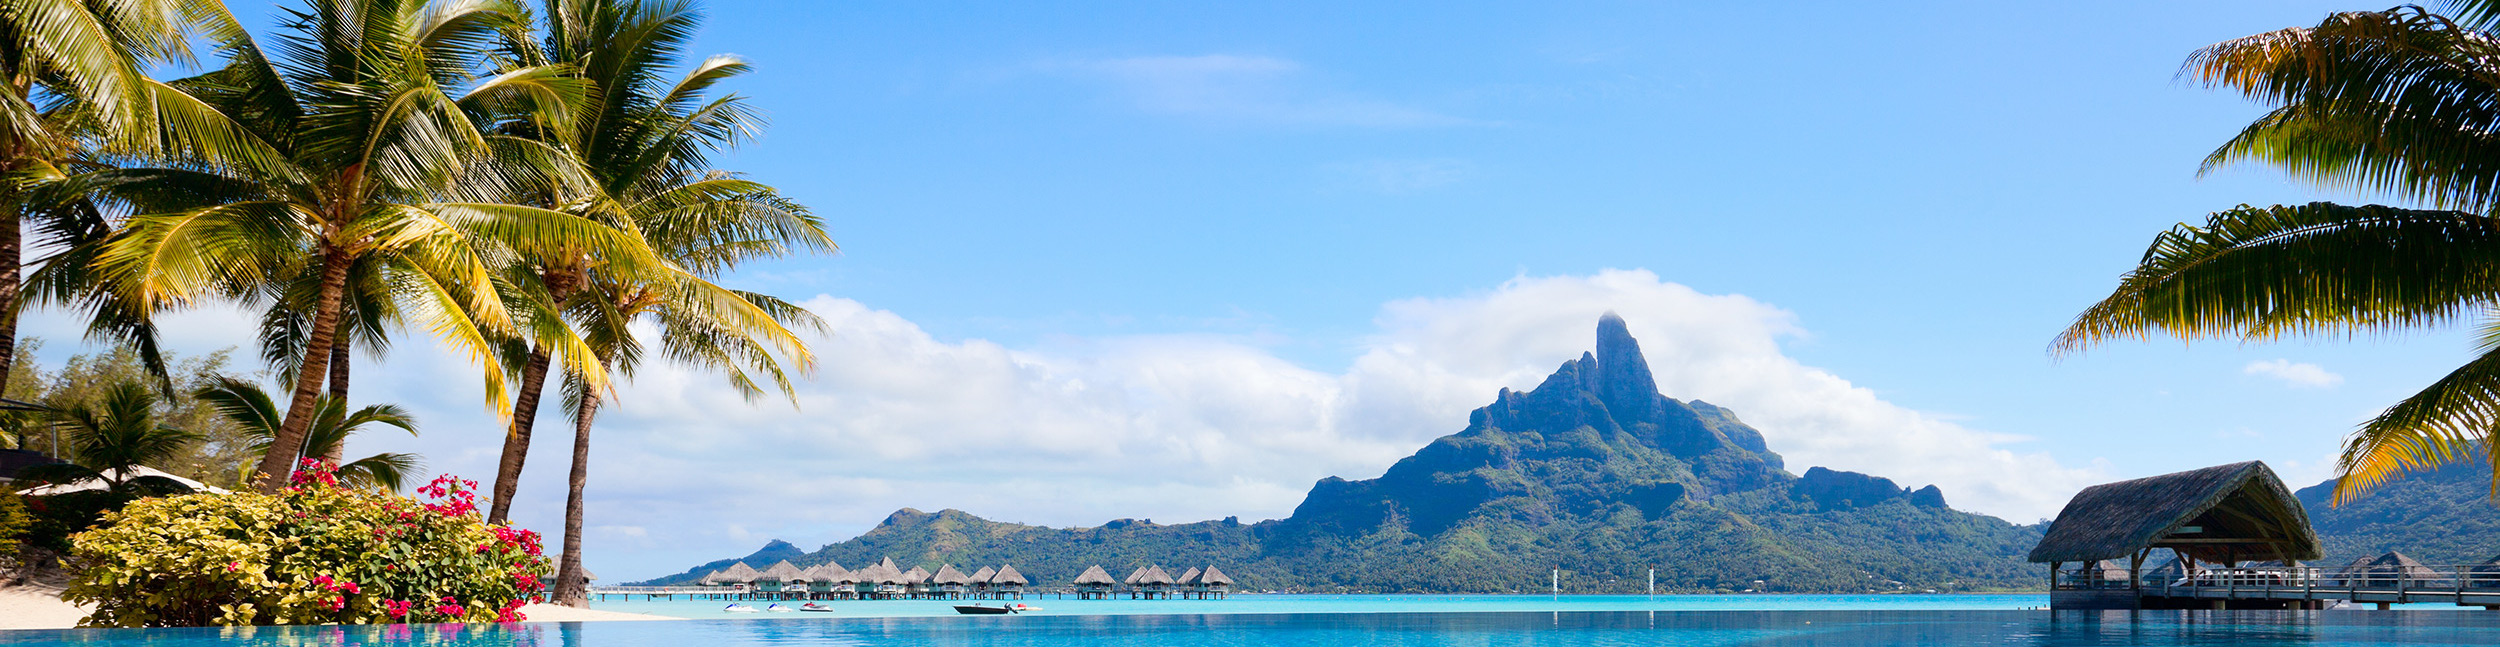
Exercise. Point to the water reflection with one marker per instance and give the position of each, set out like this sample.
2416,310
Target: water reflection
1592,629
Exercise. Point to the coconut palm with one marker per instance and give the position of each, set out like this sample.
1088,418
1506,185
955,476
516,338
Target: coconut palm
77,96
2404,102
372,136
257,415
645,141
110,438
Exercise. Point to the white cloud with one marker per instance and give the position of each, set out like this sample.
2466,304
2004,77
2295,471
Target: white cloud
2297,374
1255,89
1182,428
1175,428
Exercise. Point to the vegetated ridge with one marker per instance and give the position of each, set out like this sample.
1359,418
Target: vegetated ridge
1593,472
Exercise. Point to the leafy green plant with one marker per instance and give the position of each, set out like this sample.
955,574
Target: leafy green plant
15,522
311,553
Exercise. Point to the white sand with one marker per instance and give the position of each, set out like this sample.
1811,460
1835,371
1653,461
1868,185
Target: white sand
36,607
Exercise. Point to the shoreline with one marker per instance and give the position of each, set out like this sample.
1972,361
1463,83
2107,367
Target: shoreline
41,607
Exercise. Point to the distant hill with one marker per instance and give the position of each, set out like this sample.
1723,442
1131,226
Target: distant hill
2440,517
1593,471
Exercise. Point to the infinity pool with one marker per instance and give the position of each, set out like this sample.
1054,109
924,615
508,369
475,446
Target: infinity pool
1575,629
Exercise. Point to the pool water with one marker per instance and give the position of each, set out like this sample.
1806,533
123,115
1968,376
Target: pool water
1575,629
707,609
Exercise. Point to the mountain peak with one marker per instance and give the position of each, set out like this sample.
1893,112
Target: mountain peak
1622,376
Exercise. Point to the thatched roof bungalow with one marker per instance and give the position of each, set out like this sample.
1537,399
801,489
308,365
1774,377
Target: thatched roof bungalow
737,573
2224,514
2389,571
1007,576
1215,579
981,578
1187,578
1094,583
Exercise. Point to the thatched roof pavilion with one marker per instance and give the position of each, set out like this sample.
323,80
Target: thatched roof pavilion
2223,514
2388,569
1212,577
1153,576
916,575
1188,577
1094,576
983,576
1131,580
827,572
878,573
780,572
737,573
1007,576
948,575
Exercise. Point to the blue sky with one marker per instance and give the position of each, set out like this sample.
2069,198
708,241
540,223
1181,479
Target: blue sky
1910,199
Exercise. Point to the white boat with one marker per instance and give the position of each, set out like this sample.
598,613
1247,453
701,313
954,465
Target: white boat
777,608
821,608
738,608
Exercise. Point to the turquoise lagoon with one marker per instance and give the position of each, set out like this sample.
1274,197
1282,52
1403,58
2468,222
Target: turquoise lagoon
1274,603
1557,629
1401,621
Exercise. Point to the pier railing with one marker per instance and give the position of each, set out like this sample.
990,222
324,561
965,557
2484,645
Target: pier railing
2466,584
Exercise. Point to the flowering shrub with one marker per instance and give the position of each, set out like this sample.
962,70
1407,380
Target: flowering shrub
314,553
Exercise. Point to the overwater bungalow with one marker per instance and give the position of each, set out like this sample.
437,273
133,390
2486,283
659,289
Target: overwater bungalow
2485,575
916,582
878,581
1094,584
1187,579
1213,584
826,580
981,582
950,583
738,574
1008,582
2224,515
778,578
2389,571
1151,584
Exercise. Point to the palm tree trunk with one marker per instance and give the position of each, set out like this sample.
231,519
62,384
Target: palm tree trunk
571,589
516,443
280,463
12,255
338,392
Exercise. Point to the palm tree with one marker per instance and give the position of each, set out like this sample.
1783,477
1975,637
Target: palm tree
86,58
645,140
250,408
112,437
373,137
2404,102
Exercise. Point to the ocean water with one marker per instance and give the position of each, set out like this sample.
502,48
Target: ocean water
1268,603
1557,628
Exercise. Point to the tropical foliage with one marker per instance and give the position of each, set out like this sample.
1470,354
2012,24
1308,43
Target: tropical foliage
312,553
250,409
110,439
2400,103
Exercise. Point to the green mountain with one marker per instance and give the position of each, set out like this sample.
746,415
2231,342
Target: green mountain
1593,472
2443,517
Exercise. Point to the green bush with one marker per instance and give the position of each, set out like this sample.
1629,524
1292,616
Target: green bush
15,521
314,553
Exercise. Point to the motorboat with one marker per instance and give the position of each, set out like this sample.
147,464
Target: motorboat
978,610
821,608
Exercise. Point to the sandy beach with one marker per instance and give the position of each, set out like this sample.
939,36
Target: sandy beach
39,607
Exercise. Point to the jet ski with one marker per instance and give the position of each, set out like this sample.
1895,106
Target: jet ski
738,608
